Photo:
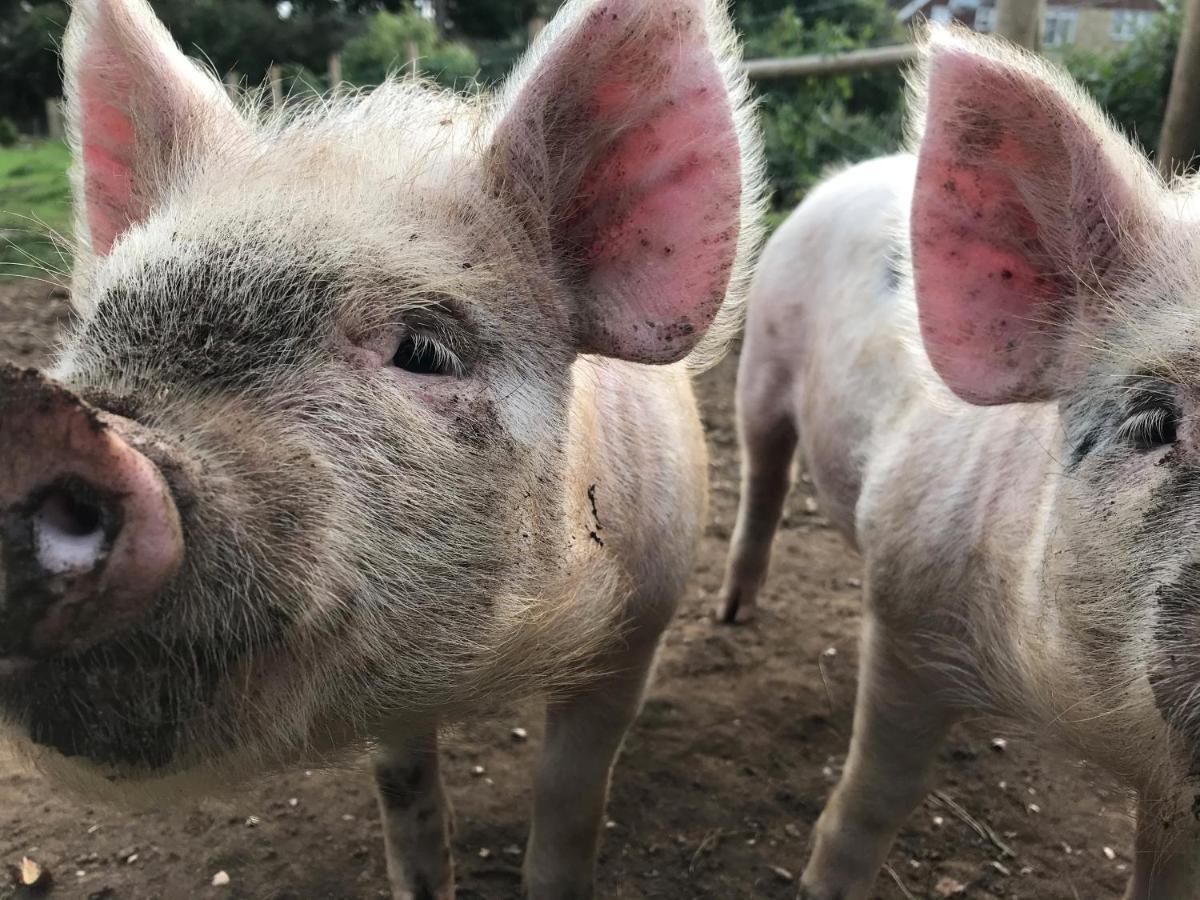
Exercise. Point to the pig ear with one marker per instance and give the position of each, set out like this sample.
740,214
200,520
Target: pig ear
135,105
618,143
1026,203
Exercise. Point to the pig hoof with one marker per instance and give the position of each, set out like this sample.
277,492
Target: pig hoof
733,610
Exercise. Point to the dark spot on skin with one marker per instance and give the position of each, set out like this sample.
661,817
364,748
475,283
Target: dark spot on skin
466,265
210,320
891,274
120,404
591,492
1085,446
1006,274
128,703
595,537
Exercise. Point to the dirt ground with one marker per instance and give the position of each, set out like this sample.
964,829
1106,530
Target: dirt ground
719,785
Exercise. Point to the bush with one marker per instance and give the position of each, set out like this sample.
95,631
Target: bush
1132,84
383,49
8,132
812,123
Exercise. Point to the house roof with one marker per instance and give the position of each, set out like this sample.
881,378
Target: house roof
1137,5
912,7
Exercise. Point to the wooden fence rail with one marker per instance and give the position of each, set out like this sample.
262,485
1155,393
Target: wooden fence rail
848,62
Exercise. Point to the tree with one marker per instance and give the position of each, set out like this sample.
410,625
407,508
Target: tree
811,123
385,45
1180,140
1131,85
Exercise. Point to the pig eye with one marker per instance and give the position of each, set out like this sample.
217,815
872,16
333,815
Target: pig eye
1152,427
420,354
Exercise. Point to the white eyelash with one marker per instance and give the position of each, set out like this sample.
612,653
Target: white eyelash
447,359
1145,427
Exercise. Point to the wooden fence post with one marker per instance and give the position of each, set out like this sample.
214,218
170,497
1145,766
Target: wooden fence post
232,84
414,59
1021,21
54,119
276,79
1179,142
335,72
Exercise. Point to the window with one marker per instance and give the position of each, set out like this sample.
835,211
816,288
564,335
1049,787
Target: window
1126,23
1060,26
941,15
985,19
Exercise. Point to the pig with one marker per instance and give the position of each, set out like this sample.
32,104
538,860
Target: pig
375,415
986,350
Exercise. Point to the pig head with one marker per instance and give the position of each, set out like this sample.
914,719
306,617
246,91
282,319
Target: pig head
309,459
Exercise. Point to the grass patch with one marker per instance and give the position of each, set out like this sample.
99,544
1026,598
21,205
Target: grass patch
35,201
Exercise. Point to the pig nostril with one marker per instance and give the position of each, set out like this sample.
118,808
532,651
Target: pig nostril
70,514
69,532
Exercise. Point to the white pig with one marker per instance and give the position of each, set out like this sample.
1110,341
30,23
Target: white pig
358,431
988,352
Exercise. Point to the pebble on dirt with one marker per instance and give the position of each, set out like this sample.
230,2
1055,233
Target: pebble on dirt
519,734
783,874
220,879
949,887
30,878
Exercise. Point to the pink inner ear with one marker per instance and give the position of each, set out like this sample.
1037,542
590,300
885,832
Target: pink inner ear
107,144
989,290
634,108
661,222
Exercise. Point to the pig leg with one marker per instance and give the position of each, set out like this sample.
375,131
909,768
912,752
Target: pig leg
583,734
416,820
898,729
768,439
1166,863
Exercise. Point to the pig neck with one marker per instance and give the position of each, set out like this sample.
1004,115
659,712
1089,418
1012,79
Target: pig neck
635,482
972,560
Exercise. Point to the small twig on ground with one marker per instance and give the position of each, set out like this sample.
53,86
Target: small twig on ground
710,840
982,829
900,884
825,681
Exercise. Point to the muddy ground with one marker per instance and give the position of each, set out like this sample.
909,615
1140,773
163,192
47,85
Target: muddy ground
715,795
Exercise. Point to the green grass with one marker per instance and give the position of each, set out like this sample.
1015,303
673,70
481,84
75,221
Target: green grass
35,201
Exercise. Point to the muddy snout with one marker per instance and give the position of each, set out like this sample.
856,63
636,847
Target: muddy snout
89,532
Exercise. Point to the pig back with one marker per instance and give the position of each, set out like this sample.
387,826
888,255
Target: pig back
832,303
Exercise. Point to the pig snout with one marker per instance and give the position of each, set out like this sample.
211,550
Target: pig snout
89,532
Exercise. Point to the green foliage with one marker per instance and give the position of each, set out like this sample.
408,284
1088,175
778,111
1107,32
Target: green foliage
35,203
810,124
492,19
8,132
384,47
29,36
1132,84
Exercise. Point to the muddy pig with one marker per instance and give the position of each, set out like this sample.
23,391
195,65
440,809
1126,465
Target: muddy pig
990,354
375,415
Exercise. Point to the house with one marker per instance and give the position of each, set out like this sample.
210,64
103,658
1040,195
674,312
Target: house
1097,25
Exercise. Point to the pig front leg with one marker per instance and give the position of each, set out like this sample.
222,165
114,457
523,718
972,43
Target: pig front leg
898,729
416,820
583,735
1166,850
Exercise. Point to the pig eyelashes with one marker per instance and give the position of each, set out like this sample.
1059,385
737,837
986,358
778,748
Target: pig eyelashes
1153,420
420,354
